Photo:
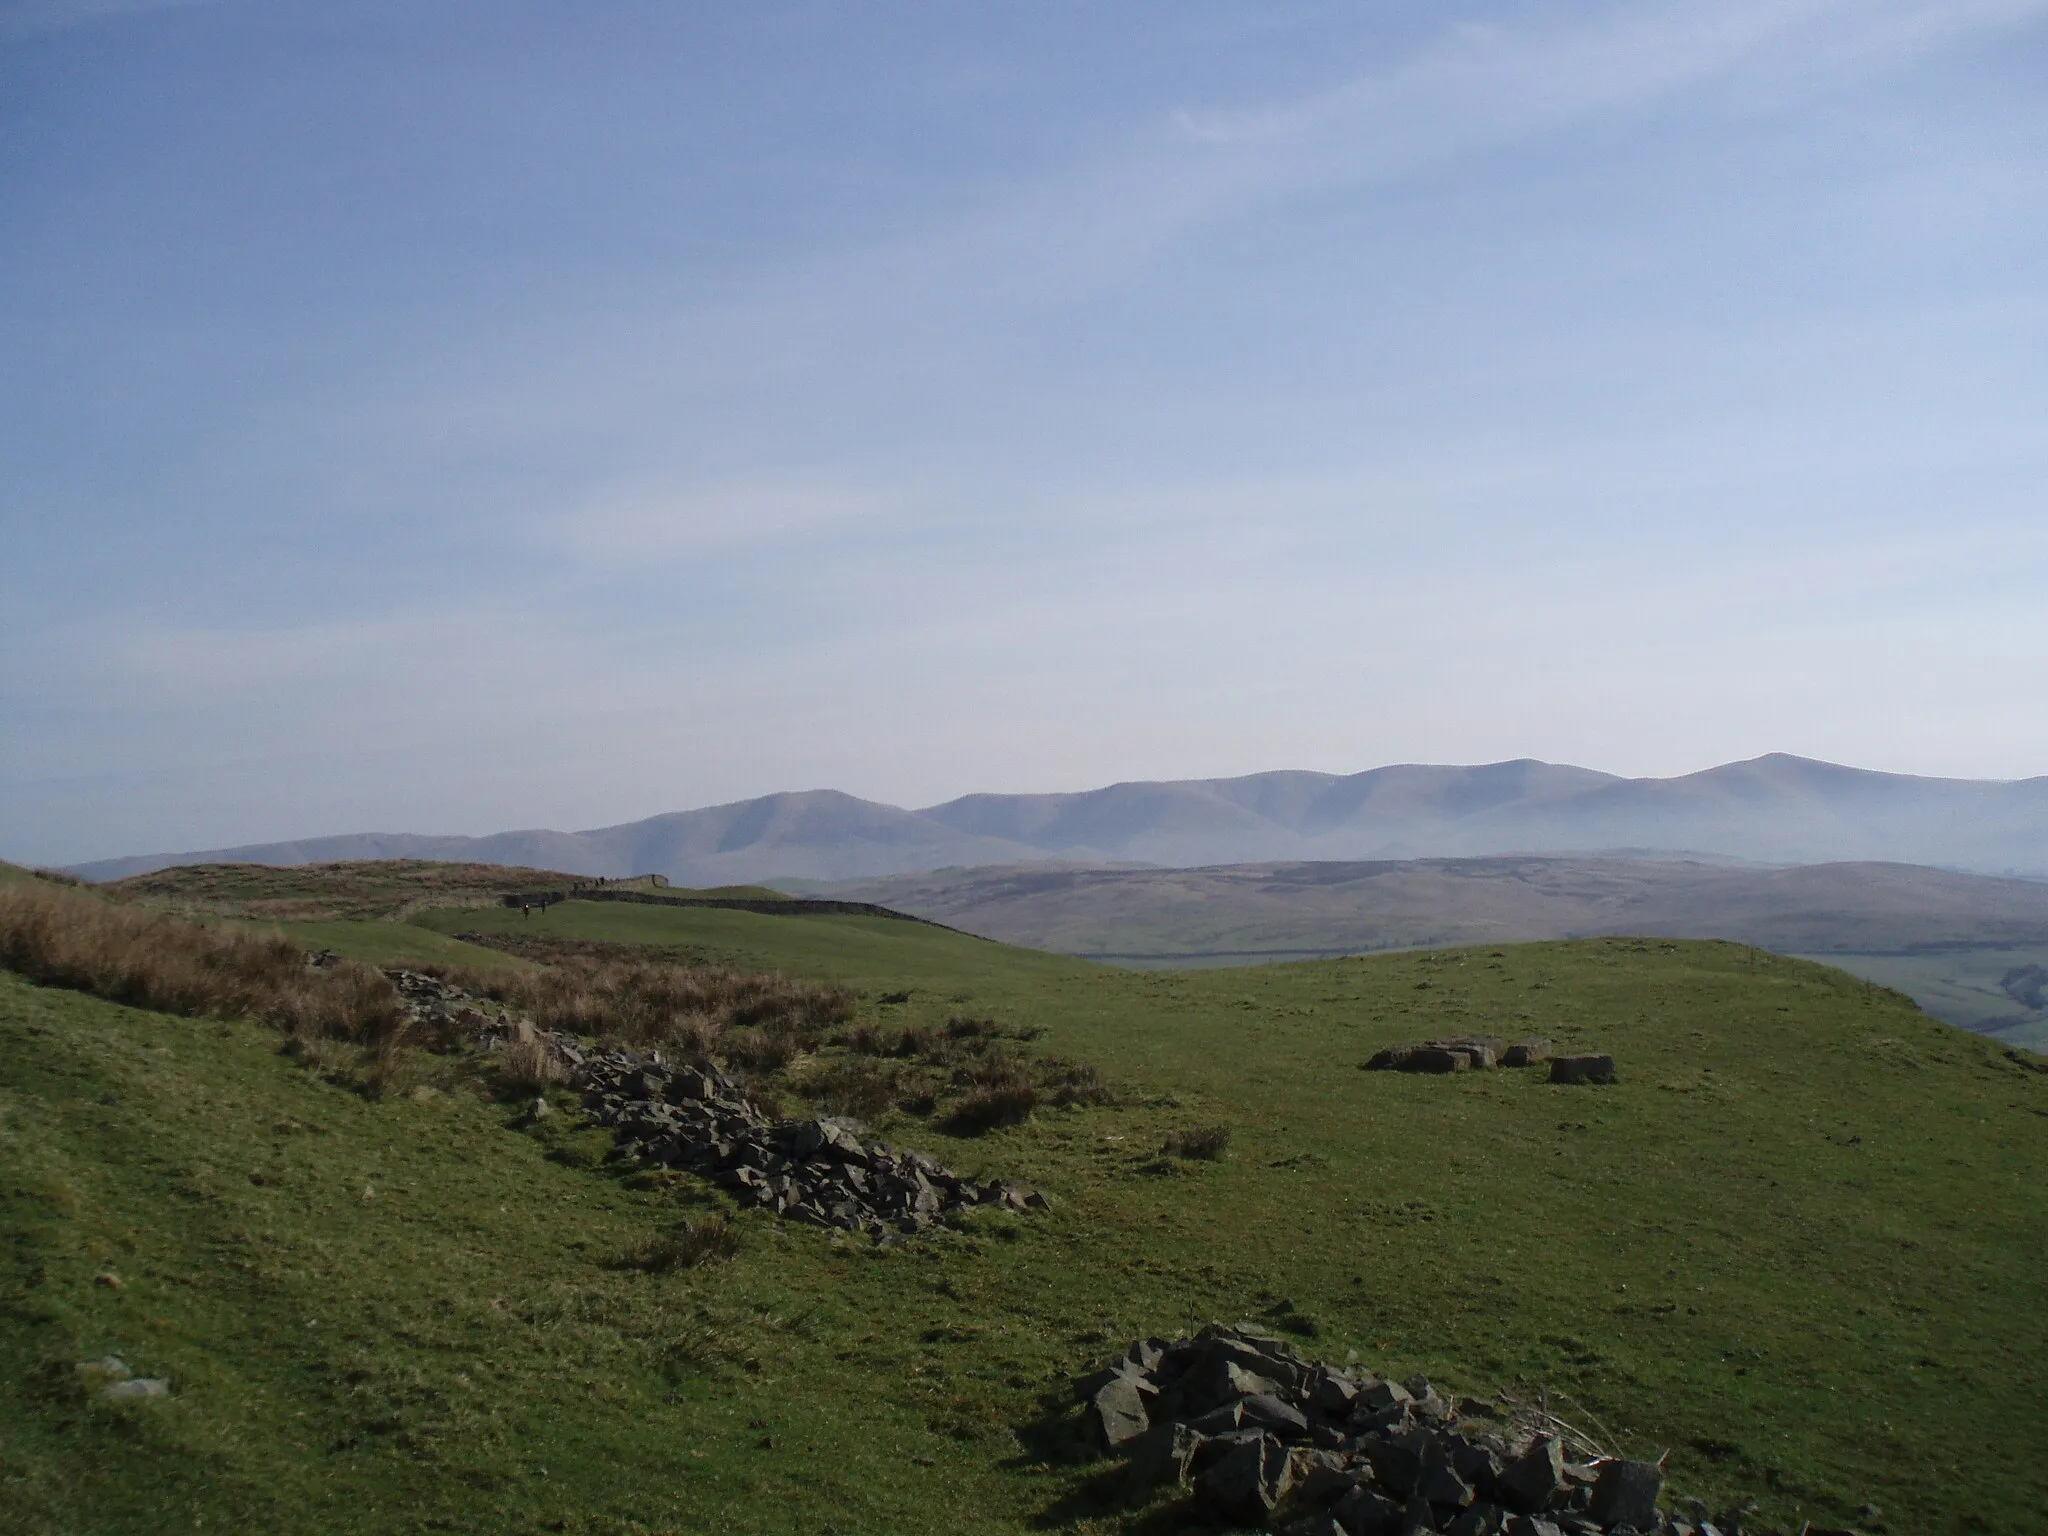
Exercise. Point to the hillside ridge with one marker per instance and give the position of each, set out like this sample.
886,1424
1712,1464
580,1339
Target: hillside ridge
1777,809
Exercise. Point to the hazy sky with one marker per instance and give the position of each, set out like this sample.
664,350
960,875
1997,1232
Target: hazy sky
451,417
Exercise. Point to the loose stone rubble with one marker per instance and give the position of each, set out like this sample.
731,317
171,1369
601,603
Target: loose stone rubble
1460,1053
1253,1435
668,1115
817,1171
114,1381
432,1001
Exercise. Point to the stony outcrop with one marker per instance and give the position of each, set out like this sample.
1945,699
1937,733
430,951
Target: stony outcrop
1459,1054
818,1171
699,1119
439,1005
1248,1433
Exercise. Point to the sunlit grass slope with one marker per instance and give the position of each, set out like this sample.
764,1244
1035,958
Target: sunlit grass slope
1799,1244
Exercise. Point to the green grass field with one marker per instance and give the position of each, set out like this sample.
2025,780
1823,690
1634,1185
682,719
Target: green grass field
1798,1245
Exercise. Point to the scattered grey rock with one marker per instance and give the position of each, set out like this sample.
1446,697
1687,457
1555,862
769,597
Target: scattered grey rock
106,1368
1582,1069
1460,1053
137,1387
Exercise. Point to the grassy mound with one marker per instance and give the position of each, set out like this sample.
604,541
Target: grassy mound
1797,1245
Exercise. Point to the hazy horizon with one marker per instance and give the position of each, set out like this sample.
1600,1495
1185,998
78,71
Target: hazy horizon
467,417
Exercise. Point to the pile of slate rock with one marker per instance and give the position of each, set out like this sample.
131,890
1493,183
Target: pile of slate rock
1253,1435
698,1119
816,1171
1463,1053
430,1000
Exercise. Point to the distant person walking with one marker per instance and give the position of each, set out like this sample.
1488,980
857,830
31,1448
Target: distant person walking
526,909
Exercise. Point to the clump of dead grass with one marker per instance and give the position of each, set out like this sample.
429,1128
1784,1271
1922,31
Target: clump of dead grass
69,938
863,1089
1006,1101
714,1240
760,1022
527,1064
1204,1143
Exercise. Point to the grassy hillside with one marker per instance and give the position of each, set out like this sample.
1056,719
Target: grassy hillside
1963,987
391,888
1798,1245
1942,937
313,892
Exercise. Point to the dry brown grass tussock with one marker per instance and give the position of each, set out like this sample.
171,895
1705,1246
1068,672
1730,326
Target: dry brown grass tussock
67,938
757,1021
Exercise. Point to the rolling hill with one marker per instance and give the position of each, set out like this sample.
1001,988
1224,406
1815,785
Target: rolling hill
1779,1253
1775,810
1266,911
1949,940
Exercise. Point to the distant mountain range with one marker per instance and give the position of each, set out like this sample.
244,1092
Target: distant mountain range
1774,810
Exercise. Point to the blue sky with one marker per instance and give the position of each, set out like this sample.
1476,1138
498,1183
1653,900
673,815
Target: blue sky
453,417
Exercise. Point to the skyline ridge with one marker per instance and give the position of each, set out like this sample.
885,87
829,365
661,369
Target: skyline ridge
1776,808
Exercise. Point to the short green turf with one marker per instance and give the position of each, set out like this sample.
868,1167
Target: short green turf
1799,1245
390,943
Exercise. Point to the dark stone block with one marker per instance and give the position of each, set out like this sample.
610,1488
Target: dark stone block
1583,1069
1532,1482
1246,1484
1479,1520
1443,1488
1400,1461
1366,1512
1626,1494
1117,1410
1265,1411
1161,1457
